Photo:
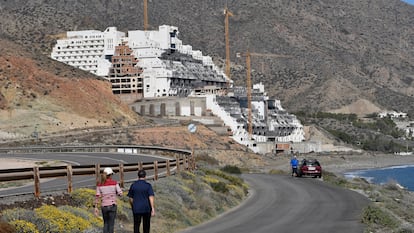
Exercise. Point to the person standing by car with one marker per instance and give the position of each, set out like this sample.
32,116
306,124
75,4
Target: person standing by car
294,162
107,190
141,198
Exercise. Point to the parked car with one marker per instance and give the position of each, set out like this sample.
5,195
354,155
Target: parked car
310,167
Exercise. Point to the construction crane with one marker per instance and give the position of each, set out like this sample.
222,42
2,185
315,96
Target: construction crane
227,14
248,56
145,15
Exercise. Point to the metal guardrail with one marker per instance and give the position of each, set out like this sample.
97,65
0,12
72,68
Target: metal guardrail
183,160
96,148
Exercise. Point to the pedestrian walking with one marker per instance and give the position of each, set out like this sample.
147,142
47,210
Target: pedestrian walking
141,198
106,193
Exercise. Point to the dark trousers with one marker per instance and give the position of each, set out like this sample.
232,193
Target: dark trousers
146,222
109,215
294,171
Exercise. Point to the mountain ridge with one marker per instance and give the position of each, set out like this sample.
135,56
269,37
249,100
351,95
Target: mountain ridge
343,51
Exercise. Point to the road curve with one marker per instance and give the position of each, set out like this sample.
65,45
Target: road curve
280,203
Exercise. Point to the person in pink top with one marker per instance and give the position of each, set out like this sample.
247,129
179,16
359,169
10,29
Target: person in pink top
107,192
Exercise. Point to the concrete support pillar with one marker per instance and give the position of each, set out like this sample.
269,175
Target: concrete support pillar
192,108
177,109
163,109
142,110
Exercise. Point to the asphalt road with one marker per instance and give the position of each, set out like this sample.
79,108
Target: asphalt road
288,204
276,204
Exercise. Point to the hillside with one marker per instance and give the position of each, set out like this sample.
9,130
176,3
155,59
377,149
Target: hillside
343,51
41,96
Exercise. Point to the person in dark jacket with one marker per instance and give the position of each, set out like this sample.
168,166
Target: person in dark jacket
141,198
294,162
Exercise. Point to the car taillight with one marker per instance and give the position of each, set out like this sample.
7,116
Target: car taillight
319,168
305,168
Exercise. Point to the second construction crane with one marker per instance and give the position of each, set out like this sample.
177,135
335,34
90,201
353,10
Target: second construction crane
227,14
145,15
248,56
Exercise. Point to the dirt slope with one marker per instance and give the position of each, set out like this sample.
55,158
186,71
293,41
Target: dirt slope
38,94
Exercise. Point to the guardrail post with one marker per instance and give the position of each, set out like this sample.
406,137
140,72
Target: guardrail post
194,165
186,163
168,168
121,175
140,166
177,163
98,173
69,175
156,170
36,177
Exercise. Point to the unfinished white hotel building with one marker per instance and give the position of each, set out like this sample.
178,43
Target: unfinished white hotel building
156,65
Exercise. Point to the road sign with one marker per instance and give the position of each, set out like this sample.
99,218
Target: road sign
192,128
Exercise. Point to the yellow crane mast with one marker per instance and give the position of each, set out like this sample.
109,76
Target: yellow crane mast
145,15
227,14
249,94
248,55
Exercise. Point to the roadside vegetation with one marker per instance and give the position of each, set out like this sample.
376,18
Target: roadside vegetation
190,198
182,200
391,209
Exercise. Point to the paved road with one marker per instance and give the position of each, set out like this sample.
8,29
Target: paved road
280,204
277,204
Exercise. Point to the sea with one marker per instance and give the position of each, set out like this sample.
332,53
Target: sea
402,175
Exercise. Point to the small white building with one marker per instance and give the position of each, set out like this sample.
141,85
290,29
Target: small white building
392,114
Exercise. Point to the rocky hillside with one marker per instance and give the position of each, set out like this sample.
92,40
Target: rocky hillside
41,96
343,52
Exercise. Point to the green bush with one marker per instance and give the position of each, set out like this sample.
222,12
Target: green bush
219,187
231,169
375,215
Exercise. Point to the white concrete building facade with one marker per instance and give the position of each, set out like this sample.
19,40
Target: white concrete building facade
91,50
158,74
88,50
167,68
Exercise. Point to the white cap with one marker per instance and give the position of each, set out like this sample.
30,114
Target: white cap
108,171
